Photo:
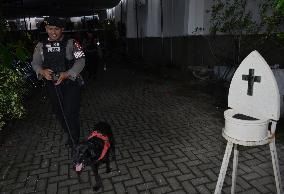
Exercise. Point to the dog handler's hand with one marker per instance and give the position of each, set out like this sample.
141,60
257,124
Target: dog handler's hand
63,76
46,73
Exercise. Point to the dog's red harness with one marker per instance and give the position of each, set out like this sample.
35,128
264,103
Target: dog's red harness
106,142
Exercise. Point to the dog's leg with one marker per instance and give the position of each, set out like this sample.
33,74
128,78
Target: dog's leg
79,177
113,156
113,152
107,160
97,177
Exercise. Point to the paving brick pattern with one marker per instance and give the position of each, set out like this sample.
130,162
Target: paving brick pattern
168,136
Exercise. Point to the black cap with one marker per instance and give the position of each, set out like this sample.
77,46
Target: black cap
54,21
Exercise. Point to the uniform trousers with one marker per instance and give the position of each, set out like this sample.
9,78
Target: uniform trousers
65,99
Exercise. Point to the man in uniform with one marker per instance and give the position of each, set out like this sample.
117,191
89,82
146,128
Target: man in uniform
59,61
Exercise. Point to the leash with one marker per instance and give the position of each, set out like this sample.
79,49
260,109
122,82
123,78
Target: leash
63,114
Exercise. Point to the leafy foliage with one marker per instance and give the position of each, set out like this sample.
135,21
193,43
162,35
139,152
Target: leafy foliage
11,93
249,27
12,85
280,5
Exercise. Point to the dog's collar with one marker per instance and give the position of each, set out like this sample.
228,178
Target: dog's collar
106,142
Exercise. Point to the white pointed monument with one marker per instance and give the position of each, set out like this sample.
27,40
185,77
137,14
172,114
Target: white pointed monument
255,109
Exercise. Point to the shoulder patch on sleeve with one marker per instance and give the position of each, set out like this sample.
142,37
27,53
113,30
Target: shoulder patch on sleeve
78,50
77,45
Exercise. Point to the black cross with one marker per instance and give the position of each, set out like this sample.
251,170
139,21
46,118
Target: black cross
251,79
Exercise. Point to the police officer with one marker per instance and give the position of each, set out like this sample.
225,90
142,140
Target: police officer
90,49
59,61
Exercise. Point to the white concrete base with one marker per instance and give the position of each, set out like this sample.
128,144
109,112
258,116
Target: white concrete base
246,143
245,130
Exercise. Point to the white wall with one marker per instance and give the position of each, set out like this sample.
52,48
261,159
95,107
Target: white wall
130,19
30,22
180,17
153,19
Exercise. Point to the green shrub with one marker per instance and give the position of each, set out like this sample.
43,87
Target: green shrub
11,95
280,5
12,84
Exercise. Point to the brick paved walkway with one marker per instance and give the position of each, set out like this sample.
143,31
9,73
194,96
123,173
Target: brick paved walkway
168,137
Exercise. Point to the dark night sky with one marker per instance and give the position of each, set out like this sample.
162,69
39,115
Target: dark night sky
30,8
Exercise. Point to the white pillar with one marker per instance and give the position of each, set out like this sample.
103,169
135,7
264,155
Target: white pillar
196,15
131,19
153,23
117,12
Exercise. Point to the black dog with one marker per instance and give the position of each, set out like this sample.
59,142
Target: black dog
95,150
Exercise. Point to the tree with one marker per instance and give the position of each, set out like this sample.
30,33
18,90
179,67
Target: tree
248,29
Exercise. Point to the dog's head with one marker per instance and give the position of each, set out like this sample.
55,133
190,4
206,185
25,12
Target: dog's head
90,151
87,153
